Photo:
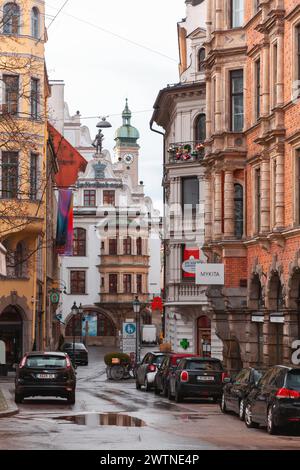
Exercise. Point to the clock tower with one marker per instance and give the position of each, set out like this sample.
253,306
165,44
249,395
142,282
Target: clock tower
127,148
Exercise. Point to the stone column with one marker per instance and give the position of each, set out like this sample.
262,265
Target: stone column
279,192
219,14
218,103
208,208
209,20
229,205
280,71
209,107
266,80
218,206
265,196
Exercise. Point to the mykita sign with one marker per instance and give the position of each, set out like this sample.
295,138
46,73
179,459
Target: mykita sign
210,274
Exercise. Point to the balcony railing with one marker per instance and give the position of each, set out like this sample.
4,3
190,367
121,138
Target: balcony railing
186,152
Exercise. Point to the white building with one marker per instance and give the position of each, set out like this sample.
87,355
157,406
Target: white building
110,264
180,110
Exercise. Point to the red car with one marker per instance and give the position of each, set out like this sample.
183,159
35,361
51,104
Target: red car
167,368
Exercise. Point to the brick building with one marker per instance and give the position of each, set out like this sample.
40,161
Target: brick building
252,178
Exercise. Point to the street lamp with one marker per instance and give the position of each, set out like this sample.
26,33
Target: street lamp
137,309
75,310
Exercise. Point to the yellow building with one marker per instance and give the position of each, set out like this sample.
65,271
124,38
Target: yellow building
27,168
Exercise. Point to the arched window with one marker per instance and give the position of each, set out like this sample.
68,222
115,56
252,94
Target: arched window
79,242
238,210
201,59
35,17
19,261
11,18
200,128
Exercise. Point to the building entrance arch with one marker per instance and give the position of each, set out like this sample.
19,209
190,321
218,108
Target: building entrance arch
11,332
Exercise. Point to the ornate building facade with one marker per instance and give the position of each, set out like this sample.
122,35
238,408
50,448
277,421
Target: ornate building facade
252,176
180,110
114,226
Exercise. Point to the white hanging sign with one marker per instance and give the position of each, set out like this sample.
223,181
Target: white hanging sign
210,274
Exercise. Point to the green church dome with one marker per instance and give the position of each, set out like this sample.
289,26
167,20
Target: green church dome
127,133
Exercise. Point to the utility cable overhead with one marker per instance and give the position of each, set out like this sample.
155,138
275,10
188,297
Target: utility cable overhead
111,33
59,11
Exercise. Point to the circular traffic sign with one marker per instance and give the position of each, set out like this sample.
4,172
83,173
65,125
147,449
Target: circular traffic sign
130,328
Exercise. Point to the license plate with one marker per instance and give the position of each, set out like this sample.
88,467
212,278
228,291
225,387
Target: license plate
204,378
46,376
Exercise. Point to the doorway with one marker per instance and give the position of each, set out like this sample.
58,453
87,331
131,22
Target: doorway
11,332
204,336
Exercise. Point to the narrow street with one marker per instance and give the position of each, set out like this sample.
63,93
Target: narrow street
50,424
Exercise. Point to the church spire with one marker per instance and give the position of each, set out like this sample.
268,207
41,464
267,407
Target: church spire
126,115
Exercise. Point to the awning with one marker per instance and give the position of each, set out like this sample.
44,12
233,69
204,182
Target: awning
2,260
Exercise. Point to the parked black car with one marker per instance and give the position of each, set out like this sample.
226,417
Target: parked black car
81,353
275,401
147,370
167,368
237,390
197,377
48,374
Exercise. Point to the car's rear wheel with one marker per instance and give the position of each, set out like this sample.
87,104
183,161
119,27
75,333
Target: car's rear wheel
248,418
71,398
18,398
165,391
137,385
178,396
223,404
242,410
271,427
147,385
170,396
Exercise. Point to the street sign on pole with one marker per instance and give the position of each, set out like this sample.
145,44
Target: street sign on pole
129,338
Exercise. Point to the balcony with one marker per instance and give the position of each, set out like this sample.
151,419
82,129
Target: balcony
187,293
186,152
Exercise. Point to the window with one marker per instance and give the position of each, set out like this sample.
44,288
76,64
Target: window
9,175
139,247
127,246
139,283
113,283
108,198
33,176
113,246
19,261
11,18
190,192
89,198
298,53
237,100
35,23
127,284
258,88
78,282
257,199
201,59
79,242
11,94
237,13
34,98
200,134
239,210
275,72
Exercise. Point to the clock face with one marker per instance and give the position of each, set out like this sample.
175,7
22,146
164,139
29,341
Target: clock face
128,158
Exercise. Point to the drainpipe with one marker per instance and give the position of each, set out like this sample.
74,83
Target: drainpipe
164,200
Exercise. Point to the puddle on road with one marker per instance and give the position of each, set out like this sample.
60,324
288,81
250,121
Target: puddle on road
190,417
107,419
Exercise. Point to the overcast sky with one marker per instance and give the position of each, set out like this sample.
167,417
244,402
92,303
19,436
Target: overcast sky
100,70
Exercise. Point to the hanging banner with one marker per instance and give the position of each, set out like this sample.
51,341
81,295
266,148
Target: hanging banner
64,233
191,257
2,260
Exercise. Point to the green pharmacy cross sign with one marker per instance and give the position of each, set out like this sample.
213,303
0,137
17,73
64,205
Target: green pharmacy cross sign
185,344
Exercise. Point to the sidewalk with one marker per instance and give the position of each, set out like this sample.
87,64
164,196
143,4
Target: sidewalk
7,404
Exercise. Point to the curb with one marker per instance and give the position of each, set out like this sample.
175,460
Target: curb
12,408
